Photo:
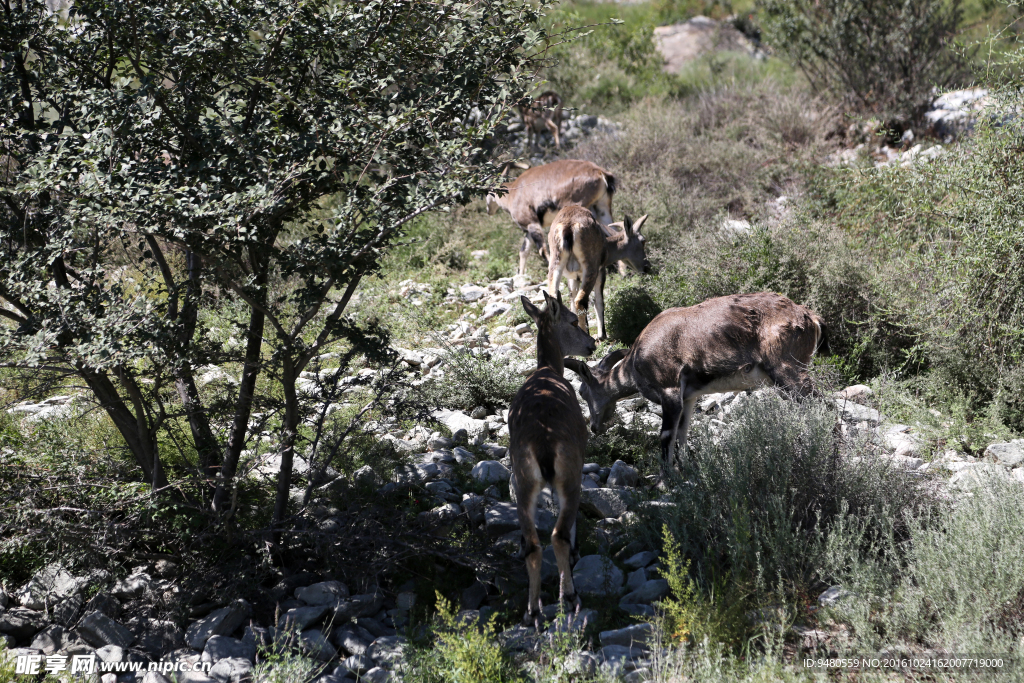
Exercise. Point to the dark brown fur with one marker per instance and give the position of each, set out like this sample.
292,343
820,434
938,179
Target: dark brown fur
536,196
730,343
548,439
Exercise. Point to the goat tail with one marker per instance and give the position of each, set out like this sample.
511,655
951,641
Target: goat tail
822,346
611,183
567,238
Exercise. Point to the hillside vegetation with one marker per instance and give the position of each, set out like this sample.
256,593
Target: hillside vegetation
261,335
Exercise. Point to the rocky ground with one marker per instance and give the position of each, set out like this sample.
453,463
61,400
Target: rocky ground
464,469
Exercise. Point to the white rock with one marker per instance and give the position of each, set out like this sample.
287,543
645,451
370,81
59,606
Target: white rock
1010,453
490,472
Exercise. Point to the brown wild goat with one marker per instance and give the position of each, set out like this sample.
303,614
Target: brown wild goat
544,113
547,442
582,249
731,343
535,197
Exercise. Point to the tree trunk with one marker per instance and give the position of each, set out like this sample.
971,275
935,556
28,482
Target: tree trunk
289,434
141,442
246,391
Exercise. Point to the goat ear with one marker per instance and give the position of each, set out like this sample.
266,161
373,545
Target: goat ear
553,306
580,368
639,223
627,225
609,361
530,309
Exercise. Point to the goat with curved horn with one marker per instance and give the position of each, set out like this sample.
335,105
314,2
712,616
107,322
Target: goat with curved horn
548,439
731,343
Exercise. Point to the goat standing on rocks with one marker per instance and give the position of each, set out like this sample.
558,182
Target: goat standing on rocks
731,343
582,249
548,439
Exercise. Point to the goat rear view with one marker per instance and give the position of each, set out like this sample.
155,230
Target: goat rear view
548,440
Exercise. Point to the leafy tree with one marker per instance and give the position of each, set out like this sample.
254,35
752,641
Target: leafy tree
164,159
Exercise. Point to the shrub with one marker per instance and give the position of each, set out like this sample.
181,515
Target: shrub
1010,399
628,312
761,487
462,652
878,57
471,381
696,616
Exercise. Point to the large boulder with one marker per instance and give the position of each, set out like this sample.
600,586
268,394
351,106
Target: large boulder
595,575
1010,453
501,518
21,623
490,472
98,630
604,503
363,605
220,622
623,475
648,592
323,593
224,647
637,635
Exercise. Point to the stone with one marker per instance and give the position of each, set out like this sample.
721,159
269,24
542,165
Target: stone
472,293
108,678
366,476
855,392
387,649
323,593
681,43
636,579
110,653
474,596
637,635
352,639
376,675
490,472
833,596
641,611
595,575
299,618
463,456
495,308
358,664
48,586
501,518
641,559
316,645
154,677
219,622
231,670
98,630
474,507
619,655
651,590
224,647
854,413
568,623
1010,453
604,503
48,640
443,514
977,474
134,586
157,637
405,600
494,451
363,605
623,475
903,462
440,443
456,420
416,473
